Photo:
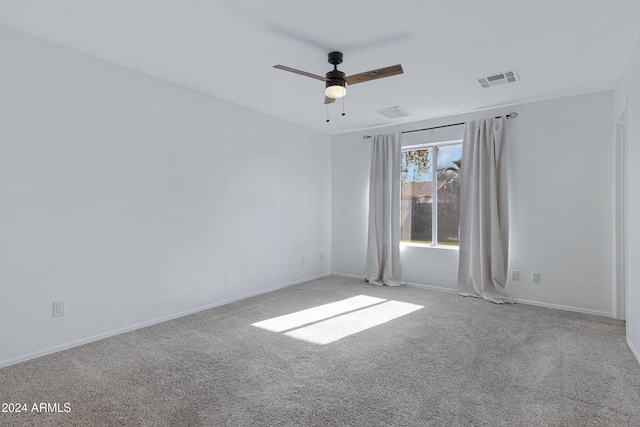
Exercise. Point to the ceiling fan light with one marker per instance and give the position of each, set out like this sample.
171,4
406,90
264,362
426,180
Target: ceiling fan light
336,90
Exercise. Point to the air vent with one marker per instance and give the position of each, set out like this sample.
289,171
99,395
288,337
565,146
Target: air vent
499,79
393,112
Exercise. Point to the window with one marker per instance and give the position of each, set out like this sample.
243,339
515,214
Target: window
430,197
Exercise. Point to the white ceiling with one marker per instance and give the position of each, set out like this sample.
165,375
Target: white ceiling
228,49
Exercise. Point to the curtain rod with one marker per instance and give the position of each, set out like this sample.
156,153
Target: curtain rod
508,116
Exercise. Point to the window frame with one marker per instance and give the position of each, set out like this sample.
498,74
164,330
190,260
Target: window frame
434,196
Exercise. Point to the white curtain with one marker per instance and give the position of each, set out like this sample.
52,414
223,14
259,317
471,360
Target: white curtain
484,215
383,247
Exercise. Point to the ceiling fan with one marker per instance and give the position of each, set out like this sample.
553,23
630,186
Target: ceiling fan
336,81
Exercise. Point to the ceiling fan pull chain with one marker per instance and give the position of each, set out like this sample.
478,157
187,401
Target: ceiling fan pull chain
343,106
327,113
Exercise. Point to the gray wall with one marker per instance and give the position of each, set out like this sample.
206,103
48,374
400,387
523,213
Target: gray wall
137,200
561,176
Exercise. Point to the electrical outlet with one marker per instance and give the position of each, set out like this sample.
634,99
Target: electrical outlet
515,274
321,257
535,277
58,308
303,261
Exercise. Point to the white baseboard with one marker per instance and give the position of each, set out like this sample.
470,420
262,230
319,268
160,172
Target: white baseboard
518,300
524,301
434,288
565,307
633,349
413,285
351,276
61,347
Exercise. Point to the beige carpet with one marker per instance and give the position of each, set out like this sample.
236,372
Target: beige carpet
367,356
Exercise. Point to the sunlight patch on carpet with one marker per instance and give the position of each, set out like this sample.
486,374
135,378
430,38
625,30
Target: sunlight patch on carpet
330,322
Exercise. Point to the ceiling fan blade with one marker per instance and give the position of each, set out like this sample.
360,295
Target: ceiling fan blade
328,100
302,73
374,74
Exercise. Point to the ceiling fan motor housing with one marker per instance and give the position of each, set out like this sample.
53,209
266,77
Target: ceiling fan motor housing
335,77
